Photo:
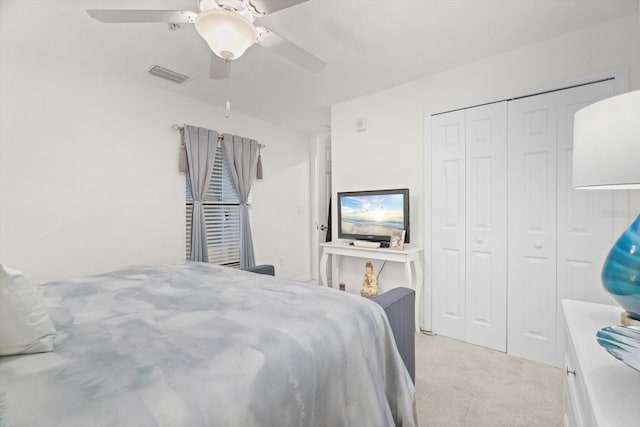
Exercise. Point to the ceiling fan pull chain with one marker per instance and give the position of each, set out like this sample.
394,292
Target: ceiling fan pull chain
227,112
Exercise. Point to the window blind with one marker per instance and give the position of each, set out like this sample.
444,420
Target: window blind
222,216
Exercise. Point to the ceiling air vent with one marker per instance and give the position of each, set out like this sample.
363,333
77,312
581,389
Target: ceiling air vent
167,74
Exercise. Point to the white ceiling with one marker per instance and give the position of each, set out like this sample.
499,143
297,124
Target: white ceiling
369,45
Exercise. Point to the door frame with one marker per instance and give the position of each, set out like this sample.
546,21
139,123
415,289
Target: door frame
319,169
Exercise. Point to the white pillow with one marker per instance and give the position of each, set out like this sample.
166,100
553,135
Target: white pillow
25,325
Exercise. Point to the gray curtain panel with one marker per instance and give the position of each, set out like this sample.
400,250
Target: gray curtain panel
241,155
201,153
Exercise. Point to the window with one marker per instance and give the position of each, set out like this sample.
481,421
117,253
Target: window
221,216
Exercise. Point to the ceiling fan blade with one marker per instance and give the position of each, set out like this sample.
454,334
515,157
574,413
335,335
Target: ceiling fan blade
143,16
219,68
292,52
264,7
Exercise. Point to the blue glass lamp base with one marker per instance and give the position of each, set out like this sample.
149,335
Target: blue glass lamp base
621,270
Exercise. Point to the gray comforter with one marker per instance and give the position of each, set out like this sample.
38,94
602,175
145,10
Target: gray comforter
201,345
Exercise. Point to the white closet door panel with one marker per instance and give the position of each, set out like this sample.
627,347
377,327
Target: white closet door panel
452,304
448,213
484,325
585,217
486,225
452,175
532,228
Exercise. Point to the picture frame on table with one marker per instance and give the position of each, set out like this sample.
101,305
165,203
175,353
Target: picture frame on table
397,240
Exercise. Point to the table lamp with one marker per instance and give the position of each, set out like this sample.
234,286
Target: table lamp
606,155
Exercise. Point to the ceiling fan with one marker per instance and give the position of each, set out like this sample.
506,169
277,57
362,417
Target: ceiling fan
228,28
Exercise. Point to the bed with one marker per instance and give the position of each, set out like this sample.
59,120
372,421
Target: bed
203,345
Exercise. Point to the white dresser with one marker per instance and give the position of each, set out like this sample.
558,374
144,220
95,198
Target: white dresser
598,389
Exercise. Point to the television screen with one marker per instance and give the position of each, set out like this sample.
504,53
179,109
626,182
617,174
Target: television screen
373,215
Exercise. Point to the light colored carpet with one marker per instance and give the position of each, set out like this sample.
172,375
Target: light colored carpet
460,384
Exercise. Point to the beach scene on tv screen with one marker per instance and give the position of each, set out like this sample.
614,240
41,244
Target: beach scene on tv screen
376,215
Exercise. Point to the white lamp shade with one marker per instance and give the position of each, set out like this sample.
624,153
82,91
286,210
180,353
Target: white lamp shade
606,144
227,33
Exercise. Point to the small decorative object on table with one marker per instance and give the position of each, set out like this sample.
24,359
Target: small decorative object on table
623,343
369,287
397,239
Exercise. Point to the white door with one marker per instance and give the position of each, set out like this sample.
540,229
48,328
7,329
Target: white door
448,224
532,184
322,195
585,218
486,226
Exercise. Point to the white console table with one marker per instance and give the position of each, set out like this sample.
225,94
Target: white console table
406,256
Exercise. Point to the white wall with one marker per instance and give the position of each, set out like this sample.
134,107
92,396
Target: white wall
387,155
89,179
392,152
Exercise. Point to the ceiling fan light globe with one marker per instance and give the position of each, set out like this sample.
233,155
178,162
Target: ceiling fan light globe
227,33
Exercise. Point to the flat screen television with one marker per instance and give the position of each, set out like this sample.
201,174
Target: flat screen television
373,215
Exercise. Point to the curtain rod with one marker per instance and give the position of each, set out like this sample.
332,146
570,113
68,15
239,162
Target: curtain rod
180,128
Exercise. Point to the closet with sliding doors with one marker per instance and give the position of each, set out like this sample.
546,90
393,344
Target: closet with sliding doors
510,237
